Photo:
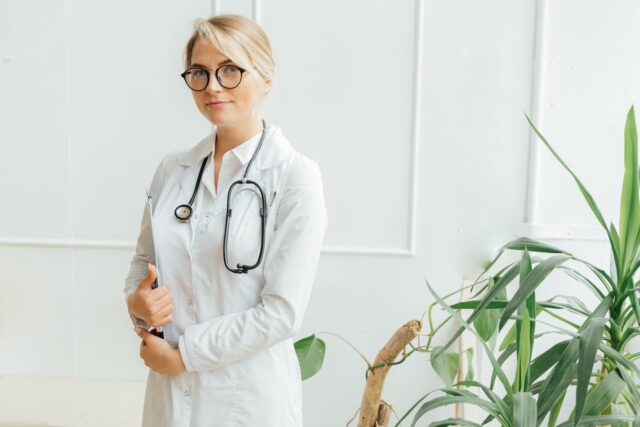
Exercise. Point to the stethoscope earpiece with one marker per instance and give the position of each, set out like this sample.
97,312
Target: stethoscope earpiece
183,212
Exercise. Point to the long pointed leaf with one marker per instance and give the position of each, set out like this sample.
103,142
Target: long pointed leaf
501,375
590,201
629,201
589,342
605,392
524,410
533,280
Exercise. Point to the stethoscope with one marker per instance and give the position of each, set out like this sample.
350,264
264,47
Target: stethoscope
183,212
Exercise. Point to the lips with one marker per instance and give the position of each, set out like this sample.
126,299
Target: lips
217,102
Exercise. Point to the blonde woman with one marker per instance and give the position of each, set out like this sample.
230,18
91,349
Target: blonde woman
238,223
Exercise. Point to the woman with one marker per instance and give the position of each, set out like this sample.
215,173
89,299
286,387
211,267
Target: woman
227,357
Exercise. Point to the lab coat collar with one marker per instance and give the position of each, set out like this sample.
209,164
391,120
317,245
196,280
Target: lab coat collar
275,149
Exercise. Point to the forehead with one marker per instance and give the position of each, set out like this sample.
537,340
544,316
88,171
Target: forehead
206,54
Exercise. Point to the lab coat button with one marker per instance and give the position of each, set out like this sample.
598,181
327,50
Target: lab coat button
186,393
190,302
208,214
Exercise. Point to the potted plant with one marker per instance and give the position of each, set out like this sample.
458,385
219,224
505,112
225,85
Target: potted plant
591,346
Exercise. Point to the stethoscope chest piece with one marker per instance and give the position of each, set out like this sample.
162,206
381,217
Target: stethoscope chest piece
183,212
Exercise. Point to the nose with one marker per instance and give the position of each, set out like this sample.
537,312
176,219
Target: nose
214,85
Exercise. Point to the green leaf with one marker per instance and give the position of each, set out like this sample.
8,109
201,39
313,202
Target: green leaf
310,351
546,360
599,420
603,393
585,193
533,246
524,335
494,291
524,410
499,372
555,411
438,402
559,379
454,422
524,353
446,365
589,342
486,323
470,305
537,275
629,202
613,268
491,395
470,373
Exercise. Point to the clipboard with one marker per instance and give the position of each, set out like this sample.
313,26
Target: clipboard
157,332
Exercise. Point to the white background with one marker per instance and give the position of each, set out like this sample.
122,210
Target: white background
414,110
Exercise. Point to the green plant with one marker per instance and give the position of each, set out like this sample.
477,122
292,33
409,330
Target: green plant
592,352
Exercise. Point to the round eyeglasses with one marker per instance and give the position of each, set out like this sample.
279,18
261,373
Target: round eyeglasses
229,77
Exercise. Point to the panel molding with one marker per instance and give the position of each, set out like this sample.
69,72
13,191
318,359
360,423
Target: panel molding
530,227
410,249
107,244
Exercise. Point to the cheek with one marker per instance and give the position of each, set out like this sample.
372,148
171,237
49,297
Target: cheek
247,100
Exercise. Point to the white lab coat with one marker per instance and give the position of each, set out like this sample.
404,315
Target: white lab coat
234,331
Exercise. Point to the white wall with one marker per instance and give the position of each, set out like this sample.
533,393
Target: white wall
424,175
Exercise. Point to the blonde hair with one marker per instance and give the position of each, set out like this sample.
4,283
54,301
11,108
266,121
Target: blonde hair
238,38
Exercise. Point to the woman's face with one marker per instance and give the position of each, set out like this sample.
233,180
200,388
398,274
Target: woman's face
237,103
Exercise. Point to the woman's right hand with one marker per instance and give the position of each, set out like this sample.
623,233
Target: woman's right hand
151,305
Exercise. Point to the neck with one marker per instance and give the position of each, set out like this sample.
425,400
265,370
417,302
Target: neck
229,137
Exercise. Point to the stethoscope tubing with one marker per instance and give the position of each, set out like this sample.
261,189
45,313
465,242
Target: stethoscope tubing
183,212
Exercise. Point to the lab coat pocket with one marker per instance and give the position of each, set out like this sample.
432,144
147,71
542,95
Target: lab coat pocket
245,203
243,244
245,225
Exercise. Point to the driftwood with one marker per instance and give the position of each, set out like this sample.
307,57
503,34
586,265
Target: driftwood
374,413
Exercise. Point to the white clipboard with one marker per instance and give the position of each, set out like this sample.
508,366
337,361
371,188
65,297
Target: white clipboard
154,285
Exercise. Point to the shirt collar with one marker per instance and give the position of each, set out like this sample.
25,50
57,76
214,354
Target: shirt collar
275,149
244,151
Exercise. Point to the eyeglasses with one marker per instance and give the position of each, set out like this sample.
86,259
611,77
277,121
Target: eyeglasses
229,77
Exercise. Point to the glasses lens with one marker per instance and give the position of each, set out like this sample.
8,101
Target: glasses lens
229,76
197,78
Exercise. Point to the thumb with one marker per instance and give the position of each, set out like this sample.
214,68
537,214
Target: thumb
151,276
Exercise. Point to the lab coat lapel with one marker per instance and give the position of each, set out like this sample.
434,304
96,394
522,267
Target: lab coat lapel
275,150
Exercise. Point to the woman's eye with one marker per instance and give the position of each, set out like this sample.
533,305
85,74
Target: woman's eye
199,73
232,69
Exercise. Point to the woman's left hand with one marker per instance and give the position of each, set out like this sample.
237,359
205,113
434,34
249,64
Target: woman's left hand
158,354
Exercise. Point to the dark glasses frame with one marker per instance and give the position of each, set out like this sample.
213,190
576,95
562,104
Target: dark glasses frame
208,74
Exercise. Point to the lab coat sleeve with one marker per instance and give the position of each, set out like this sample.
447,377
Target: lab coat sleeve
290,265
144,245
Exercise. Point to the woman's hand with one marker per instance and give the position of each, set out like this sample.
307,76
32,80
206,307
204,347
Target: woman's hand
159,355
151,305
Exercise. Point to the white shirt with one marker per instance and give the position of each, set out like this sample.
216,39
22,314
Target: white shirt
234,331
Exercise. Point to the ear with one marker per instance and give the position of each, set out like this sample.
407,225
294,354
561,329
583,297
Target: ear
267,87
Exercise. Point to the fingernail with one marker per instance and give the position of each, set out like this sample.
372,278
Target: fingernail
137,329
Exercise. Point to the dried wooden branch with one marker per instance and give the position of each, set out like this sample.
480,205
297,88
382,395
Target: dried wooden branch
373,413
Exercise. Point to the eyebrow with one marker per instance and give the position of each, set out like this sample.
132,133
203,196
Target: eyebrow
204,66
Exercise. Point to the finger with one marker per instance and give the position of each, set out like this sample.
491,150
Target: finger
164,321
158,293
142,350
142,333
161,315
152,273
162,302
